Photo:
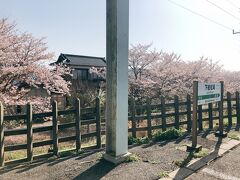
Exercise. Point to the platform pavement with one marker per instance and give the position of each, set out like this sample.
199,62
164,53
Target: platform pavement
222,163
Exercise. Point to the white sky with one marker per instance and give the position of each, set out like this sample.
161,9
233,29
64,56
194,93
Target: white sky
78,26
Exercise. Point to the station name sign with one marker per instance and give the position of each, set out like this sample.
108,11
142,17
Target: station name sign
208,93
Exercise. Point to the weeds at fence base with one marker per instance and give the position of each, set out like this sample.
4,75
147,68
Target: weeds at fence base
69,152
132,158
52,158
234,135
169,134
204,152
138,141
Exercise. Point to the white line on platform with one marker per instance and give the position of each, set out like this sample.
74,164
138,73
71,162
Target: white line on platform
219,174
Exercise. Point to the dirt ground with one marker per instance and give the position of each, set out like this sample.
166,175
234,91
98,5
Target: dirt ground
153,158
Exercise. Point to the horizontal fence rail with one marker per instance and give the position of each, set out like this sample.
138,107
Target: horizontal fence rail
175,114
82,117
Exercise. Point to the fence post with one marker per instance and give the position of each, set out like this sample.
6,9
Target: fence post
1,136
133,109
220,107
163,113
229,109
189,112
200,123
29,133
237,109
55,127
78,124
176,107
149,123
210,115
98,122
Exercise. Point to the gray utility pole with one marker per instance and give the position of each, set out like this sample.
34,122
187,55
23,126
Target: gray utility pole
117,81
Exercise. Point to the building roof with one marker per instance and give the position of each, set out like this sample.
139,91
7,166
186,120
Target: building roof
79,60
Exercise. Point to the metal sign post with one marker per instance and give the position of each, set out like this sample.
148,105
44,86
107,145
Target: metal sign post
195,146
204,93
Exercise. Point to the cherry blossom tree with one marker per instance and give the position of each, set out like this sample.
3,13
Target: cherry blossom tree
153,74
231,81
21,69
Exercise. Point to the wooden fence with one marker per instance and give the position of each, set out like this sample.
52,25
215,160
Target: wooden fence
168,114
55,127
176,114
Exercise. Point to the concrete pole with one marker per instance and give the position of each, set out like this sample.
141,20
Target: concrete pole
117,81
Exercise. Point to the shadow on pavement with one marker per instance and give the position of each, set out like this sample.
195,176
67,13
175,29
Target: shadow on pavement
206,133
96,171
77,156
187,170
22,168
28,166
180,139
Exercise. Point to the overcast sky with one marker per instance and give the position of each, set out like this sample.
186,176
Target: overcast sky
78,26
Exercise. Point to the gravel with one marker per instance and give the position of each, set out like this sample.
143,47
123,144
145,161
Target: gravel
153,158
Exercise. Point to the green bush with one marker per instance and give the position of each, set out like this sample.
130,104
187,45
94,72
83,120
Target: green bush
143,140
159,136
167,135
131,140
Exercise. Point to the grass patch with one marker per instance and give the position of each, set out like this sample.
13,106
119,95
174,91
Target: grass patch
52,158
169,134
67,153
204,152
225,123
182,162
216,123
163,174
99,156
153,162
63,152
132,158
14,155
70,145
234,135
